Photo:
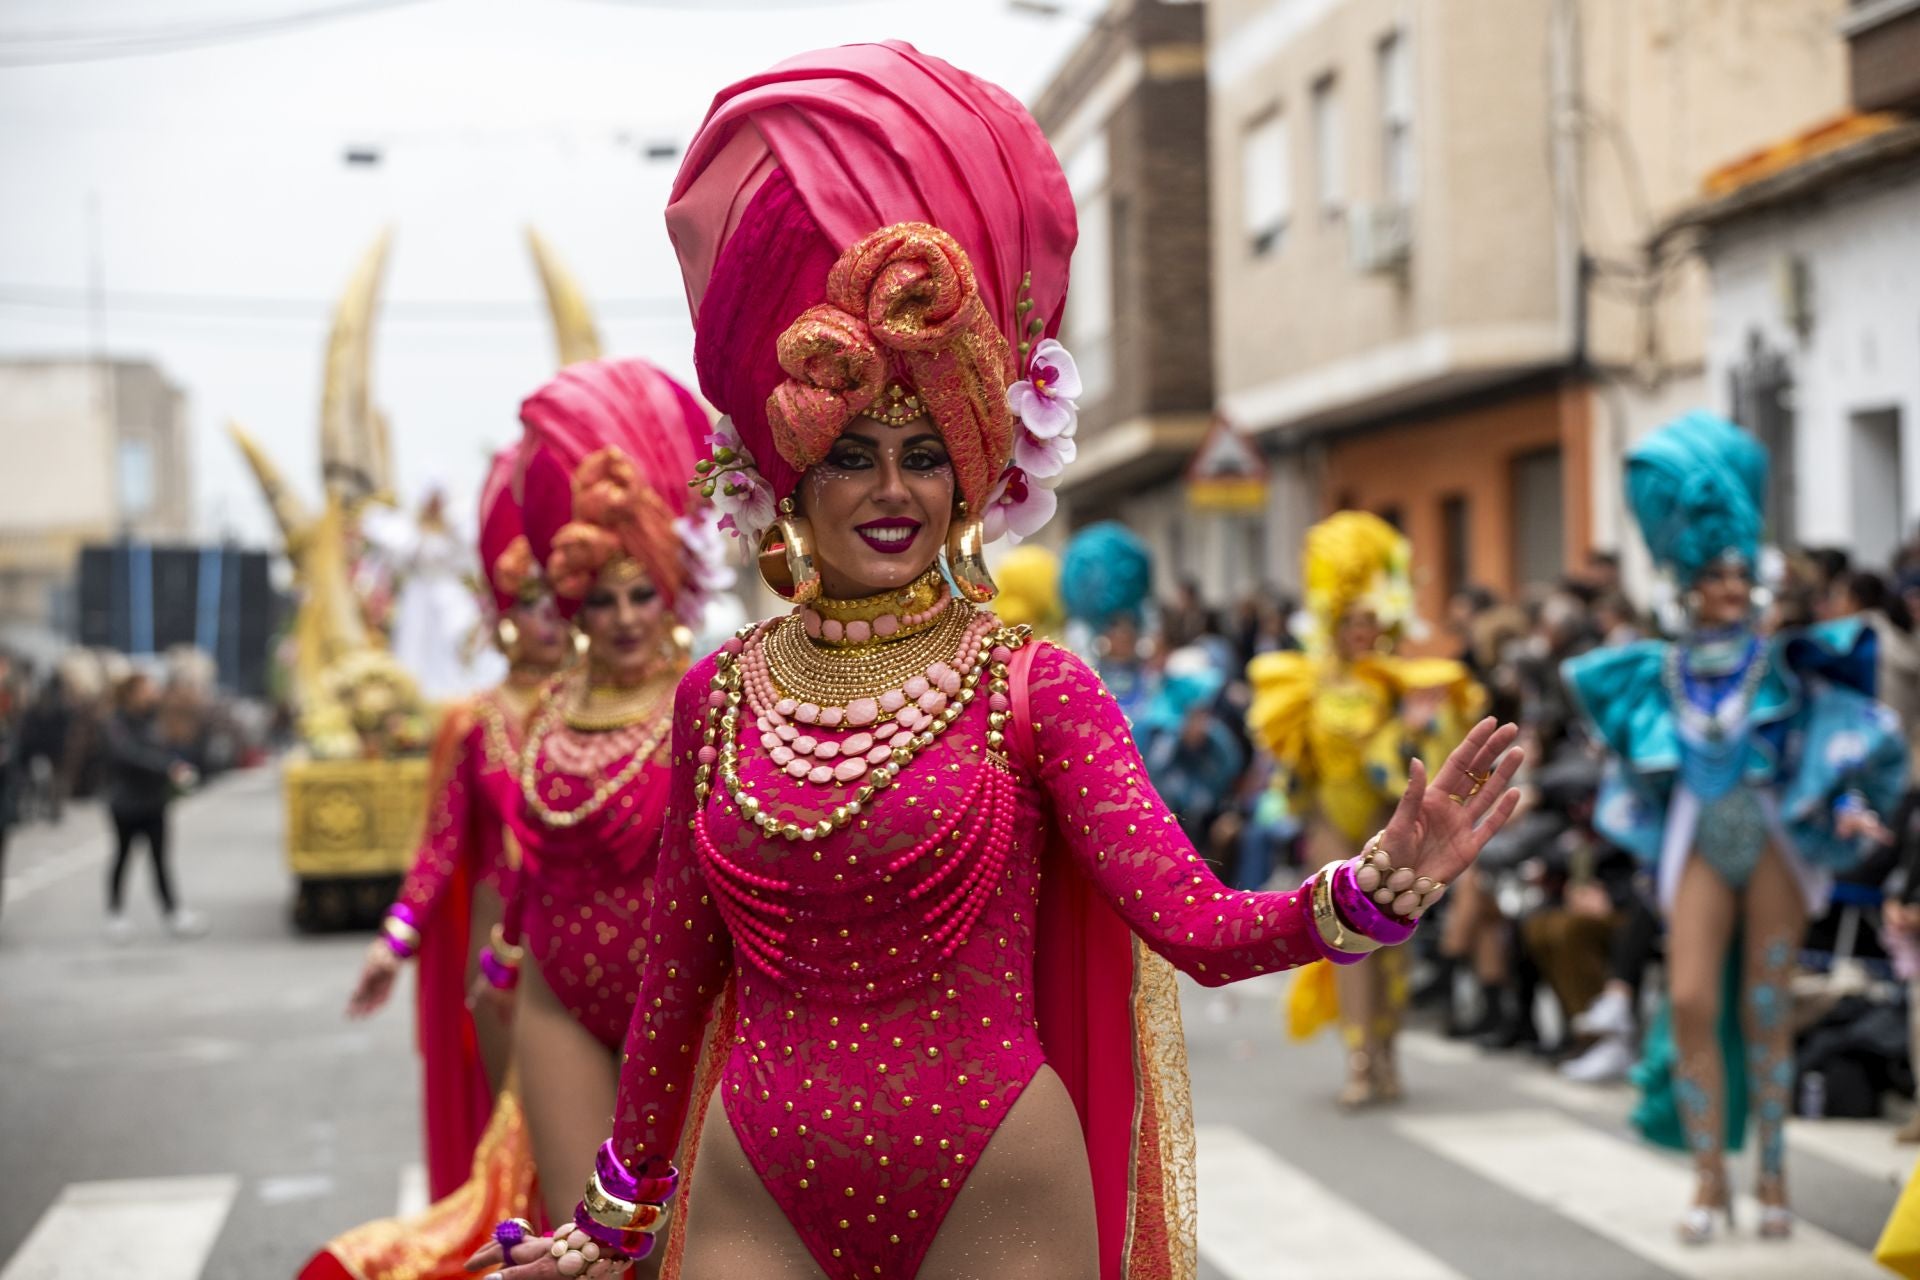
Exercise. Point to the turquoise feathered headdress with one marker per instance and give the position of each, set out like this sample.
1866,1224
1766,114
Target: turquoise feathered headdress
1105,573
1698,488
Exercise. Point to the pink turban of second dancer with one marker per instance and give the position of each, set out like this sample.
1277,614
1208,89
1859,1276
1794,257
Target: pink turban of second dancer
868,229
513,574
608,448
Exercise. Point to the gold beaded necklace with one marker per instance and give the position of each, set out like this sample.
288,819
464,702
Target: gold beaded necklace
602,708
917,597
835,676
659,710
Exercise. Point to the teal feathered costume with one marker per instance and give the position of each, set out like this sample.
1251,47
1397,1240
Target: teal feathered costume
1106,573
1766,748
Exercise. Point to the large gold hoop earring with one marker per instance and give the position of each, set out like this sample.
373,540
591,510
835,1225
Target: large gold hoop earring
966,555
507,634
786,557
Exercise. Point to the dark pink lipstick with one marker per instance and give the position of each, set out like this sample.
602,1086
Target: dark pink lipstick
891,536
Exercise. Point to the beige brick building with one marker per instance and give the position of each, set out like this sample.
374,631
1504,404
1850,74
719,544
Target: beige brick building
92,450
1127,114
1433,290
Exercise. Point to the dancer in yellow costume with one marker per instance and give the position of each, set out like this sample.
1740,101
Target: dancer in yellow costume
1342,719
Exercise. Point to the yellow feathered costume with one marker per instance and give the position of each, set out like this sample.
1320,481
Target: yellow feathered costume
1029,581
1341,731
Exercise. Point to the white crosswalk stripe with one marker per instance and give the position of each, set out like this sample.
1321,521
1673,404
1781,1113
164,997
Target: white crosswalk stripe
1625,1192
154,1228
413,1190
1860,1145
1261,1217
1264,1219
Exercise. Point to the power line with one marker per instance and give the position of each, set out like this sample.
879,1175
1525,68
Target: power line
55,46
234,307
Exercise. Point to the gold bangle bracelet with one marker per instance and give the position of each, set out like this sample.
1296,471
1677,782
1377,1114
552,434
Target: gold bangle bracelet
605,1209
402,932
505,952
1327,920
648,1218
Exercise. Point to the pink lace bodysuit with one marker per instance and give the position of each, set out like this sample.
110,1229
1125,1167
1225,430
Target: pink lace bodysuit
884,973
587,882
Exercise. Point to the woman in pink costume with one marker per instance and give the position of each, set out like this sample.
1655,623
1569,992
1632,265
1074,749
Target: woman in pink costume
607,450
909,988
450,902
479,1163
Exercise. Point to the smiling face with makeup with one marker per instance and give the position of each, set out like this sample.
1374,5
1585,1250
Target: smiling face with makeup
879,504
623,616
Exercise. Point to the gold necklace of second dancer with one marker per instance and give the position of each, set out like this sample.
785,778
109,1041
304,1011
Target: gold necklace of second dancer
609,787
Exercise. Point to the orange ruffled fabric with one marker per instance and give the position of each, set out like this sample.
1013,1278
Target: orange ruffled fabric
614,514
436,1243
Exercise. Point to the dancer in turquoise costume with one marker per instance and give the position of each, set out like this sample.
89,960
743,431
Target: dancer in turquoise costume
1746,769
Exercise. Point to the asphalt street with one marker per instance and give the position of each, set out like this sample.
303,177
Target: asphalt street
178,1109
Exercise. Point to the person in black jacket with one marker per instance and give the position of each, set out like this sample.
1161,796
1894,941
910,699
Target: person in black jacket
143,777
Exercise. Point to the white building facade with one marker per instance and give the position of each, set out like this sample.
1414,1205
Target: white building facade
1814,339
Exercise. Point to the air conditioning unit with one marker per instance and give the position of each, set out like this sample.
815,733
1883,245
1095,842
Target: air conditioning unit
1380,237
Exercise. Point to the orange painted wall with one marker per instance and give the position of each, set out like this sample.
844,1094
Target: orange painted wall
1415,465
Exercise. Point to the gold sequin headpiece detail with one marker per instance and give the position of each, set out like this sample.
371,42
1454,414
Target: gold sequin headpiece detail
896,406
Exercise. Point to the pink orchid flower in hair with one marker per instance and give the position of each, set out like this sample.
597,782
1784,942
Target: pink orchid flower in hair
1044,399
1044,459
741,494
1017,508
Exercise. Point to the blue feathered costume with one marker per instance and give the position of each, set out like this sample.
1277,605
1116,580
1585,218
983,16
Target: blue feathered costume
1727,743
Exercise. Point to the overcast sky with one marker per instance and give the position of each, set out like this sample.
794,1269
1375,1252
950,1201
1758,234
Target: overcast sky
219,178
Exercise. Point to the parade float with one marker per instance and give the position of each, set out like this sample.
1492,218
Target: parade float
355,783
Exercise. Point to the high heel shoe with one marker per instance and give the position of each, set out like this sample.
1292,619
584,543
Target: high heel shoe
1361,1088
1386,1078
1696,1227
1776,1220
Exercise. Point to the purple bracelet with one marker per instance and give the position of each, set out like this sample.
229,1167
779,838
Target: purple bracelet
657,1189
500,975
616,1179
1363,915
612,1241
408,921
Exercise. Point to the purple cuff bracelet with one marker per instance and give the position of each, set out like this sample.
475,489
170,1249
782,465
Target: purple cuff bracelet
500,975
616,1179
1364,915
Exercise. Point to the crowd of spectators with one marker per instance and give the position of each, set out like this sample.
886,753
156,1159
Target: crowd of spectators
82,729
1548,946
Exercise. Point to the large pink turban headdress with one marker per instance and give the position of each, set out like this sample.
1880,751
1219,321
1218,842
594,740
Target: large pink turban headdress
513,574
603,466
868,230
